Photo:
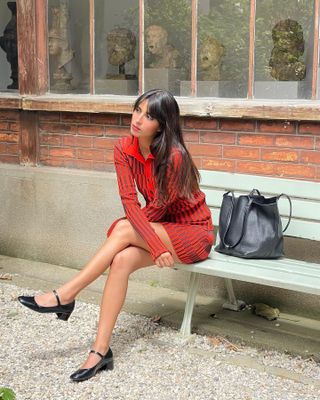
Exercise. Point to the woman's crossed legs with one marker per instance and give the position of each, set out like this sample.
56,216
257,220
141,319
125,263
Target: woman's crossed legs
125,252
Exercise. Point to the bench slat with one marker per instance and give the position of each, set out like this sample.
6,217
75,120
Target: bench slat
243,182
285,273
301,208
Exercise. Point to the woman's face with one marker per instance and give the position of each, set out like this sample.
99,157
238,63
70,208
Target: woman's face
142,124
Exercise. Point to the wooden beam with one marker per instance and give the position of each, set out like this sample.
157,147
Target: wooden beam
29,138
217,108
32,46
8,102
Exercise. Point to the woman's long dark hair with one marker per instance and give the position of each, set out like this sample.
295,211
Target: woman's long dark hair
163,107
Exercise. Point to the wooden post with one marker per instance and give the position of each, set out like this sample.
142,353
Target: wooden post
29,138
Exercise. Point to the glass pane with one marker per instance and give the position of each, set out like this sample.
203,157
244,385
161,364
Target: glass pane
68,39
283,49
8,47
168,45
116,46
223,48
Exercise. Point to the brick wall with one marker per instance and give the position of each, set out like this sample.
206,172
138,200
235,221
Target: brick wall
286,149
9,136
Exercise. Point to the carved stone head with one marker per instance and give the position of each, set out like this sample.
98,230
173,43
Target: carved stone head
121,46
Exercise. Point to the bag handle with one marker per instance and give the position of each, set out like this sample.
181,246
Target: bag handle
253,191
229,246
290,214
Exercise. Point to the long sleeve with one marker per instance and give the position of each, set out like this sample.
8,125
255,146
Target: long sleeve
131,205
154,211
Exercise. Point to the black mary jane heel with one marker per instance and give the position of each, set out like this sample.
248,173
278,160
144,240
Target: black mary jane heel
63,311
106,363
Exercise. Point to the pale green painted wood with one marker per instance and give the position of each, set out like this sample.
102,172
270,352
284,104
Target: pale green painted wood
301,208
292,187
283,273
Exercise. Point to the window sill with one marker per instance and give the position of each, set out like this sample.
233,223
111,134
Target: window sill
195,107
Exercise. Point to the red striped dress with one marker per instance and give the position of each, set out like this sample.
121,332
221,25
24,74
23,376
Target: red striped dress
187,222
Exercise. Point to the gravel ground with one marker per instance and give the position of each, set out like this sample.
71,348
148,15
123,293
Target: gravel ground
39,352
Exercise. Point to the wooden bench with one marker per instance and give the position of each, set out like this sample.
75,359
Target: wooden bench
282,273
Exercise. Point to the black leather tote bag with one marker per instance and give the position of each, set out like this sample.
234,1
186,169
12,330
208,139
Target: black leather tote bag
250,226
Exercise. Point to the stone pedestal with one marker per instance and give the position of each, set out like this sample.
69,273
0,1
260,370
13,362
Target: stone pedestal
117,86
278,90
204,88
162,78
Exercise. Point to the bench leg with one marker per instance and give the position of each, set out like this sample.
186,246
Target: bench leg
191,296
233,304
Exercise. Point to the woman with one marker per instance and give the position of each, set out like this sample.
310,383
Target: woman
174,227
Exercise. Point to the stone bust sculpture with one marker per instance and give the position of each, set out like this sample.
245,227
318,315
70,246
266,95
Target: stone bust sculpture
59,48
211,53
163,55
285,61
121,46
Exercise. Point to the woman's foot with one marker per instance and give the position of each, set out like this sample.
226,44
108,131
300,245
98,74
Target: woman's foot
95,362
50,300
63,311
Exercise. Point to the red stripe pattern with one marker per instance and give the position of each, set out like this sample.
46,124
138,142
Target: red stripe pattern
187,222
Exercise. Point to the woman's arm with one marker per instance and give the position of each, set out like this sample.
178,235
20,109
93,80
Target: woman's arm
131,205
155,211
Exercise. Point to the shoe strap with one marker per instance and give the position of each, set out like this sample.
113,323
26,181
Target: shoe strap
96,352
57,297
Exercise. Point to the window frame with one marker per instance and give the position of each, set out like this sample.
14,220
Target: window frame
33,93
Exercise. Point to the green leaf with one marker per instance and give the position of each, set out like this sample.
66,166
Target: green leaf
7,394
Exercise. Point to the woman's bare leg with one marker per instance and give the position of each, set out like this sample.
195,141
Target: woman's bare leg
122,236
124,263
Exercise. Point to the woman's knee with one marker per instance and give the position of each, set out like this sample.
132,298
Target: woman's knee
123,228
121,264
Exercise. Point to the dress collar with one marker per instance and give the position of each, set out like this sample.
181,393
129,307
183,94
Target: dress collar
132,148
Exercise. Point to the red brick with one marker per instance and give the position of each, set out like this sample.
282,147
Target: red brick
14,126
75,118
218,165
91,130
200,123
237,125
9,137
9,115
295,171
57,127
125,120
312,128
92,154
66,152
218,137
280,155
310,157
58,162
236,152
255,168
49,116
117,131
77,141
197,161
318,143
318,174
4,126
191,136
255,140
12,148
44,151
277,126
10,159
51,139
297,142
105,119
205,150
104,143
3,148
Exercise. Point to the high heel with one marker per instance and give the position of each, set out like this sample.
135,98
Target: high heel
63,311
106,363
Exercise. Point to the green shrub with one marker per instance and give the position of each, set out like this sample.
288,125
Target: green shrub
7,394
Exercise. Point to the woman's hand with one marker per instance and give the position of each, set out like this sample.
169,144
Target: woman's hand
165,260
